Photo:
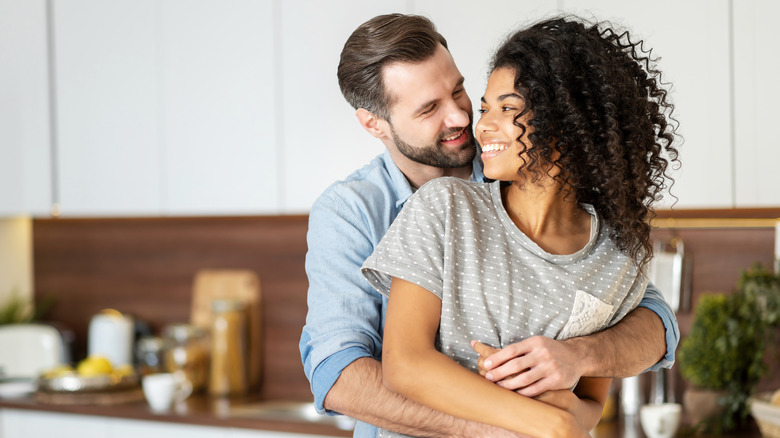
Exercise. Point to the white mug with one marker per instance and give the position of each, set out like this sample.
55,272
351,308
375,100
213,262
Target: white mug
162,389
660,420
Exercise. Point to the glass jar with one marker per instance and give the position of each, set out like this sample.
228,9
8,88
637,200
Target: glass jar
149,355
228,376
187,351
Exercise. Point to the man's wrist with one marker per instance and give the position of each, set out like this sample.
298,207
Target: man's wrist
584,349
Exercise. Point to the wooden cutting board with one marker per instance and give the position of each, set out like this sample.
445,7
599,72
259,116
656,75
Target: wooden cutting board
242,285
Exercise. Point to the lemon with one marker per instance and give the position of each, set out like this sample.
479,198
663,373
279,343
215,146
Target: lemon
59,370
94,366
124,370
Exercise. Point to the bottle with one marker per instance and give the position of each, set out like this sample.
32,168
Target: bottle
228,376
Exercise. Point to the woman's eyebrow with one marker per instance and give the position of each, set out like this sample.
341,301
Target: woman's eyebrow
503,96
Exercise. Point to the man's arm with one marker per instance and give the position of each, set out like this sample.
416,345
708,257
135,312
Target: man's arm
341,342
359,393
645,339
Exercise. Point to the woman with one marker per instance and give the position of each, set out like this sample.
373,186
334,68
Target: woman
574,132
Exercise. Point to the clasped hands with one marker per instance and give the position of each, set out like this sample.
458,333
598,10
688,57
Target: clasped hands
535,367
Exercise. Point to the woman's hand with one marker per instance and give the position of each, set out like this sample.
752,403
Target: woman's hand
529,367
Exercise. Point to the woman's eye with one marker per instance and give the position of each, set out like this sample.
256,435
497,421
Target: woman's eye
507,108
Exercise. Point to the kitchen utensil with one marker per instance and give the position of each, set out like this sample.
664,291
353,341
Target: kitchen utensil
630,395
660,420
111,334
26,350
243,285
149,354
73,382
187,352
162,389
668,272
228,349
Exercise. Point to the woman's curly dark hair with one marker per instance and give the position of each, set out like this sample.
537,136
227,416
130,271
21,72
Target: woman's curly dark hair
595,97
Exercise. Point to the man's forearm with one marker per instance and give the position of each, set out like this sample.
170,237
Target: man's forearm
626,349
360,394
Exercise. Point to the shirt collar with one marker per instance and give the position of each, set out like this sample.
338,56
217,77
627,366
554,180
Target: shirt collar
404,190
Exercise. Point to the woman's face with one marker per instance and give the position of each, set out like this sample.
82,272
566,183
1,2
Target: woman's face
496,130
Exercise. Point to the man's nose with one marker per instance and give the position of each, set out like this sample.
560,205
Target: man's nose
457,117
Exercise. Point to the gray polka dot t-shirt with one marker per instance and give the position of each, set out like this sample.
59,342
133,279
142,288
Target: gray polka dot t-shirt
455,239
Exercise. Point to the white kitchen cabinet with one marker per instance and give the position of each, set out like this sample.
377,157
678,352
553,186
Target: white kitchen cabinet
756,97
692,39
320,138
220,149
108,91
25,154
17,423
166,107
121,428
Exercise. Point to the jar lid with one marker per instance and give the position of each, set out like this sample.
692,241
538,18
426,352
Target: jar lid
183,332
226,305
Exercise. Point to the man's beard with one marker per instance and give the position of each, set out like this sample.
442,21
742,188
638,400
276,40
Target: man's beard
435,155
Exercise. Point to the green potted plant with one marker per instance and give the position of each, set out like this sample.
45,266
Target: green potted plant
18,310
724,352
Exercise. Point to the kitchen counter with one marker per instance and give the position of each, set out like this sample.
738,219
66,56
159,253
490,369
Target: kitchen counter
244,413
256,414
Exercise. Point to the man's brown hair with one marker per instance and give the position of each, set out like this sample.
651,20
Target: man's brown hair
380,41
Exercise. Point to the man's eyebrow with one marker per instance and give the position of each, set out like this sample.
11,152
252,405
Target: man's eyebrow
425,105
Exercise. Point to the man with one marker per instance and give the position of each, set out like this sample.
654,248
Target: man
396,72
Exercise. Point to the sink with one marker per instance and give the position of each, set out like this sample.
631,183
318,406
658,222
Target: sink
290,411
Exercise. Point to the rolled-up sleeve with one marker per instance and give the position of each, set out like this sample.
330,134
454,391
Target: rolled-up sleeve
345,313
654,300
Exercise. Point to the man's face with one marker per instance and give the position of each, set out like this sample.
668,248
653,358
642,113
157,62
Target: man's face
430,112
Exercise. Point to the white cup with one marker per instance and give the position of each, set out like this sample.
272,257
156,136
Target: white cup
660,420
162,389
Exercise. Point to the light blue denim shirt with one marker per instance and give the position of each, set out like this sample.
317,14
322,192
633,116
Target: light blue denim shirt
346,315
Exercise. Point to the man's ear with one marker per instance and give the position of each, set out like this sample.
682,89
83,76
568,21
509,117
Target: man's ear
370,122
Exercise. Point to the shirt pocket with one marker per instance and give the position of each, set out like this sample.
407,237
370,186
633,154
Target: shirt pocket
588,315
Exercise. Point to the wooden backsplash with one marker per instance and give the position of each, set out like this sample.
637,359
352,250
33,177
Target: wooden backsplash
146,267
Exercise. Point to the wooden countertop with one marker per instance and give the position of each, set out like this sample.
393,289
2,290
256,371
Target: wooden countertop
196,410
207,411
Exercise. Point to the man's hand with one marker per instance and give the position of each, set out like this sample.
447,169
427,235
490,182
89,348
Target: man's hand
530,367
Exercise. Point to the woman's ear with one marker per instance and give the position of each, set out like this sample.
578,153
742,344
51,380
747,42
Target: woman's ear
371,123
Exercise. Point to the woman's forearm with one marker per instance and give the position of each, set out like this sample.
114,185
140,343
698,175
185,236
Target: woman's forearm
434,380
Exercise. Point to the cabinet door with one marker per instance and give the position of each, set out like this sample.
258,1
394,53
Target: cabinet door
219,107
692,39
121,428
757,151
16,423
107,84
25,164
320,139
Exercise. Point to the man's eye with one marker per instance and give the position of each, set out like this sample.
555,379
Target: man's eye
457,92
429,109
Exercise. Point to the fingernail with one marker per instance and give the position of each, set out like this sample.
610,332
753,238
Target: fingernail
489,376
473,342
488,363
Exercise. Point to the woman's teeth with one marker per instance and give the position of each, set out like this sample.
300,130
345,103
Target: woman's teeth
493,147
